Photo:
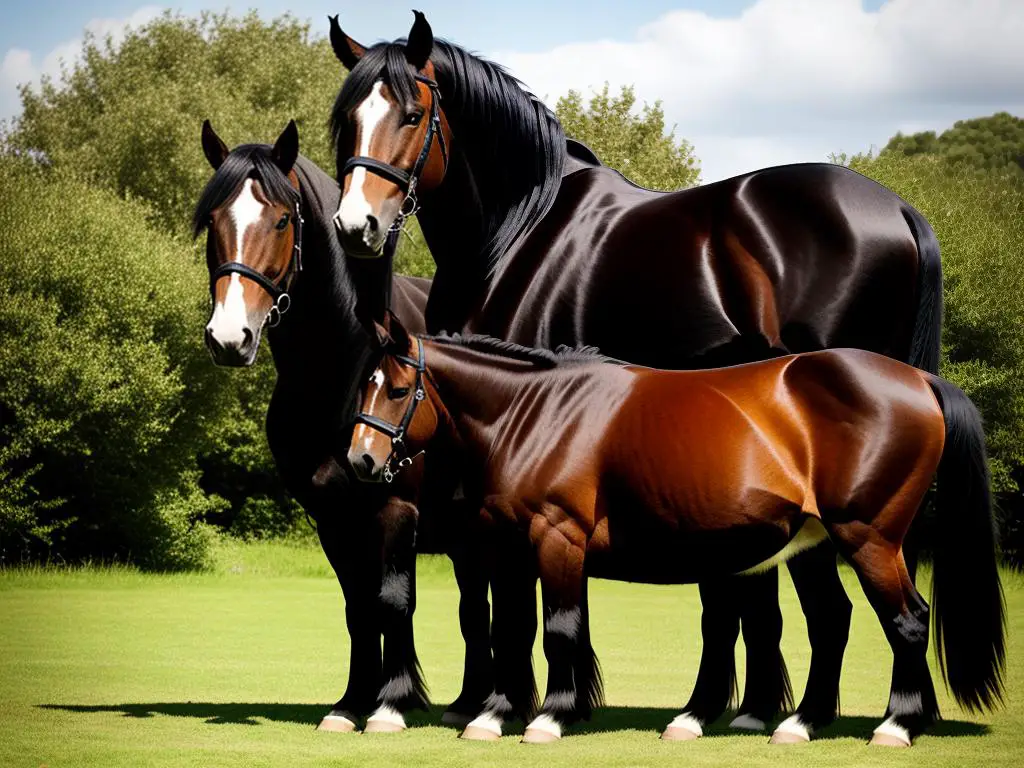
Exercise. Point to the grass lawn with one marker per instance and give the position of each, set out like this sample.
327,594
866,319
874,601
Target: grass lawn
235,667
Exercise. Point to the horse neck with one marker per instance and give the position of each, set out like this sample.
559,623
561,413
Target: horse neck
476,391
319,344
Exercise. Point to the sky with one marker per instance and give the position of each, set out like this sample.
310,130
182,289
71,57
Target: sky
750,83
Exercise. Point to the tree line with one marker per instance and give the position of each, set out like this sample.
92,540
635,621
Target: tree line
119,439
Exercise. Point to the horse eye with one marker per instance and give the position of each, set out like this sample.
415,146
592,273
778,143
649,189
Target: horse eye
413,118
398,393
282,223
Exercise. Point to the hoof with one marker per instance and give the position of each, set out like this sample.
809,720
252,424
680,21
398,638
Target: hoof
887,740
747,723
539,736
786,737
683,728
476,733
336,724
457,719
673,733
382,726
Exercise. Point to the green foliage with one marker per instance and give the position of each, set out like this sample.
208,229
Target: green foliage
995,143
105,393
979,219
635,145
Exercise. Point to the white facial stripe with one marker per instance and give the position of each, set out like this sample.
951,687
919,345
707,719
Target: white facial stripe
230,317
354,206
367,433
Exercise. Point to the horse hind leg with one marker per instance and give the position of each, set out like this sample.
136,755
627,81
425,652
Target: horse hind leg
903,614
767,688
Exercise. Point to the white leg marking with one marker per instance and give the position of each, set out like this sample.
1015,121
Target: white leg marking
747,723
811,533
354,207
890,728
546,723
794,725
386,714
687,722
488,721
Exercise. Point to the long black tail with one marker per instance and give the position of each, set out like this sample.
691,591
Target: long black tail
926,340
967,597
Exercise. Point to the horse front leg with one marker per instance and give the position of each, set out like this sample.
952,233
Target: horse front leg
466,549
402,687
347,552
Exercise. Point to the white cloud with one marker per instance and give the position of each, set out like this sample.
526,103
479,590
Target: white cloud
19,67
792,80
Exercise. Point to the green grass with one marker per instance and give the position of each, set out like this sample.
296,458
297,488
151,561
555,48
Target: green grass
103,666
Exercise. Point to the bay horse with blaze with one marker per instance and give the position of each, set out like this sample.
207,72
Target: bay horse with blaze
585,467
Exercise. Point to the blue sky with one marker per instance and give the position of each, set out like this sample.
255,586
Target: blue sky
750,83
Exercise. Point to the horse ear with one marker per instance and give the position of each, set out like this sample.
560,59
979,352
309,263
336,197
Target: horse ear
286,148
348,51
214,149
396,331
421,42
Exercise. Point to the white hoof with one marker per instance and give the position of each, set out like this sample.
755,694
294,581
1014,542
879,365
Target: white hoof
889,734
336,724
684,727
543,730
791,731
747,723
486,727
385,720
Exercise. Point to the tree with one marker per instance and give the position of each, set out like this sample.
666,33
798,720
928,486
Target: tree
995,142
978,216
635,145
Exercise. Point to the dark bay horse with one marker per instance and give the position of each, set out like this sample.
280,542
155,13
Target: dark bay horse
275,262
538,244
587,468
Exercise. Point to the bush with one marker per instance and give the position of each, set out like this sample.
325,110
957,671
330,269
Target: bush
978,216
106,393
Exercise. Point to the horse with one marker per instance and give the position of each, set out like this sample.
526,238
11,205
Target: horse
584,466
275,262
535,242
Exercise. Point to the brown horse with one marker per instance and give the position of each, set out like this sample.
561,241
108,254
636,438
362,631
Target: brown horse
586,468
537,243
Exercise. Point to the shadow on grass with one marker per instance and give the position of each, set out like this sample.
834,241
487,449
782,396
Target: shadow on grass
604,719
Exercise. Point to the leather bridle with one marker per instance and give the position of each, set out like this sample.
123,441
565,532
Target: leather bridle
278,290
407,181
399,452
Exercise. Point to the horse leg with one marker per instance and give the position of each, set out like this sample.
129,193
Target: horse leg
828,611
560,554
716,676
903,614
403,687
767,688
513,579
474,619
360,583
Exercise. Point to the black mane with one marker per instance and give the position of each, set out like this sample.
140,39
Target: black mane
512,143
563,355
245,161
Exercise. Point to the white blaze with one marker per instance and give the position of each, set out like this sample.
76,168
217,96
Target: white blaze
363,431
230,318
354,206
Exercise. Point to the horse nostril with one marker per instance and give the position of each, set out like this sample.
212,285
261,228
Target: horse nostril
211,341
368,463
372,223
246,338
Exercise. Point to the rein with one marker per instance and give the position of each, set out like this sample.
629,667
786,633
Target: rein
397,433
279,290
407,181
